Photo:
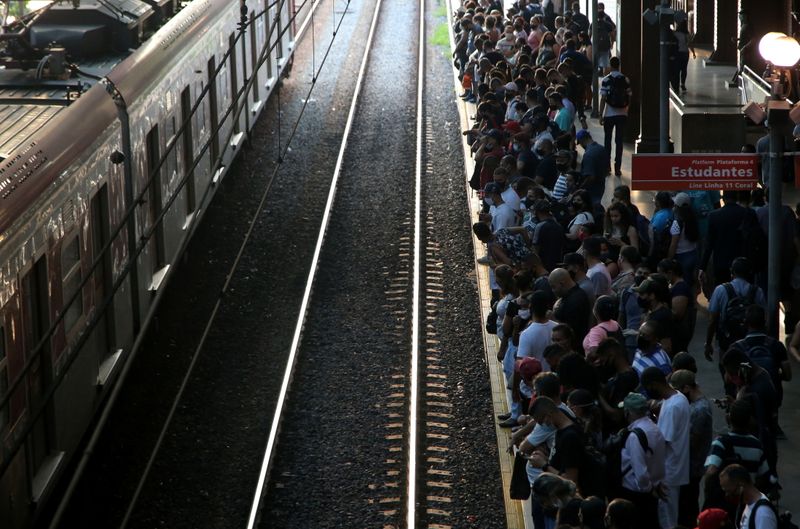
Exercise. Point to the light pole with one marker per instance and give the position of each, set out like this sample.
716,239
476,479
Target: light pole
781,52
595,73
663,16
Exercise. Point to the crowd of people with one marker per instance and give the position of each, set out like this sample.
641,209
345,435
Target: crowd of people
595,307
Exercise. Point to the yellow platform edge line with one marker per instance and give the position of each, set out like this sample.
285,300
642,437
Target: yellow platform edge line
515,511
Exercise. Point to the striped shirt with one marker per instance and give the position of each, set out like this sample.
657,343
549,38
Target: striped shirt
745,450
560,189
658,359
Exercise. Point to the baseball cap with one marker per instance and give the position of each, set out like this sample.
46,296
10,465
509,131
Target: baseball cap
712,519
648,286
582,134
512,126
682,199
529,367
492,188
633,401
512,87
563,153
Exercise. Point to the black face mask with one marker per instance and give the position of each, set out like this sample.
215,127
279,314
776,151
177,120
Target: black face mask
563,167
643,343
572,274
643,303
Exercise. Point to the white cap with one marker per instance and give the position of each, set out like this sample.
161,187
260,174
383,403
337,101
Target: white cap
682,199
512,87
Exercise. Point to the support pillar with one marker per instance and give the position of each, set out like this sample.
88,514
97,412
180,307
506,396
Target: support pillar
704,22
726,31
648,140
629,34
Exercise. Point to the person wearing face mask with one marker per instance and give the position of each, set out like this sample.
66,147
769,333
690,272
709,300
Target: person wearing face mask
502,214
553,493
737,446
701,431
755,383
611,356
576,266
630,313
654,298
642,466
506,44
563,163
548,236
755,509
674,421
537,335
507,193
649,352
594,165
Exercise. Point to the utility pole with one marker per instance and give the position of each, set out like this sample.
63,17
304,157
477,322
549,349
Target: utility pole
595,72
663,17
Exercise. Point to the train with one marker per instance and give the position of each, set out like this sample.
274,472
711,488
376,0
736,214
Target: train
118,120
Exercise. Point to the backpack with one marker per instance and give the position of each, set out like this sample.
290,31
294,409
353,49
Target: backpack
659,245
617,335
618,87
760,350
733,326
754,242
784,519
612,453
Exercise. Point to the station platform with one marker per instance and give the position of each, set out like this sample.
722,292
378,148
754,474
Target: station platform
707,92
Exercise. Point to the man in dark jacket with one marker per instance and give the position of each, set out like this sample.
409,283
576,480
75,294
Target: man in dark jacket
724,240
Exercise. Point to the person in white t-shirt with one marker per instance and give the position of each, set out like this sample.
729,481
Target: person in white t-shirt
510,196
674,421
538,334
503,215
757,510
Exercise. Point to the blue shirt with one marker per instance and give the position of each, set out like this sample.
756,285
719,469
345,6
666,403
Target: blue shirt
719,299
660,219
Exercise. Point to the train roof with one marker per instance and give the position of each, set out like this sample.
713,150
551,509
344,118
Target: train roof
35,111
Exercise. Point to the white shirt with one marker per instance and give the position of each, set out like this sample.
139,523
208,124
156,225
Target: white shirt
503,216
684,244
674,423
534,339
765,517
610,111
646,468
511,198
601,279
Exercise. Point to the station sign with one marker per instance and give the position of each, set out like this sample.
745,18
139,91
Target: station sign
682,172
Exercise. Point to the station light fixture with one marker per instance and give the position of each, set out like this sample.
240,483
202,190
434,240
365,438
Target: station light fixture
779,49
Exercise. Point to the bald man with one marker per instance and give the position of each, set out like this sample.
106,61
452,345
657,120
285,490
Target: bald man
573,306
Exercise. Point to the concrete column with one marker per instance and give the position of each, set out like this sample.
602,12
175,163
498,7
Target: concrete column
726,27
648,83
704,22
630,43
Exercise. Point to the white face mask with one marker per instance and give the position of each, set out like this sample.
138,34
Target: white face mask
524,313
489,202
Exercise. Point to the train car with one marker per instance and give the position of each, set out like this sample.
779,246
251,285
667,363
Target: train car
99,191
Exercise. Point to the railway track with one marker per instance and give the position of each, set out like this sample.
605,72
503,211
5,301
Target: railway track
370,416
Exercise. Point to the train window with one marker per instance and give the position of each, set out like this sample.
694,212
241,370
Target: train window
254,55
172,157
188,149
157,249
71,280
4,415
234,81
212,101
103,280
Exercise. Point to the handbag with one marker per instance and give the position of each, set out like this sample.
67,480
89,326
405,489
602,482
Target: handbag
520,487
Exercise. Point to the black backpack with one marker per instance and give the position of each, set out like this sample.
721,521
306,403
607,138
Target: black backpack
612,455
761,351
617,335
618,87
784,519
733,326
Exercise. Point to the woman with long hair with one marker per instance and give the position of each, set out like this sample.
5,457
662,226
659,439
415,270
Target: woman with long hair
619,230
685,233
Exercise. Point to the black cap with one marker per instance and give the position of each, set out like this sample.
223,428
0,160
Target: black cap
573,259
492,188
542,206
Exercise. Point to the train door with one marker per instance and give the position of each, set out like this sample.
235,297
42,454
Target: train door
102,279
35,323
188,149
212,100
156,242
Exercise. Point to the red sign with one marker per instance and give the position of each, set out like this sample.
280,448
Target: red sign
665,172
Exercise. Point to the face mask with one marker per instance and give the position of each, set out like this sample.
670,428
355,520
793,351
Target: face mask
643,343
538,152
558,504
572,274
516,147
525,314
643,303
489,202
563,167
637,280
